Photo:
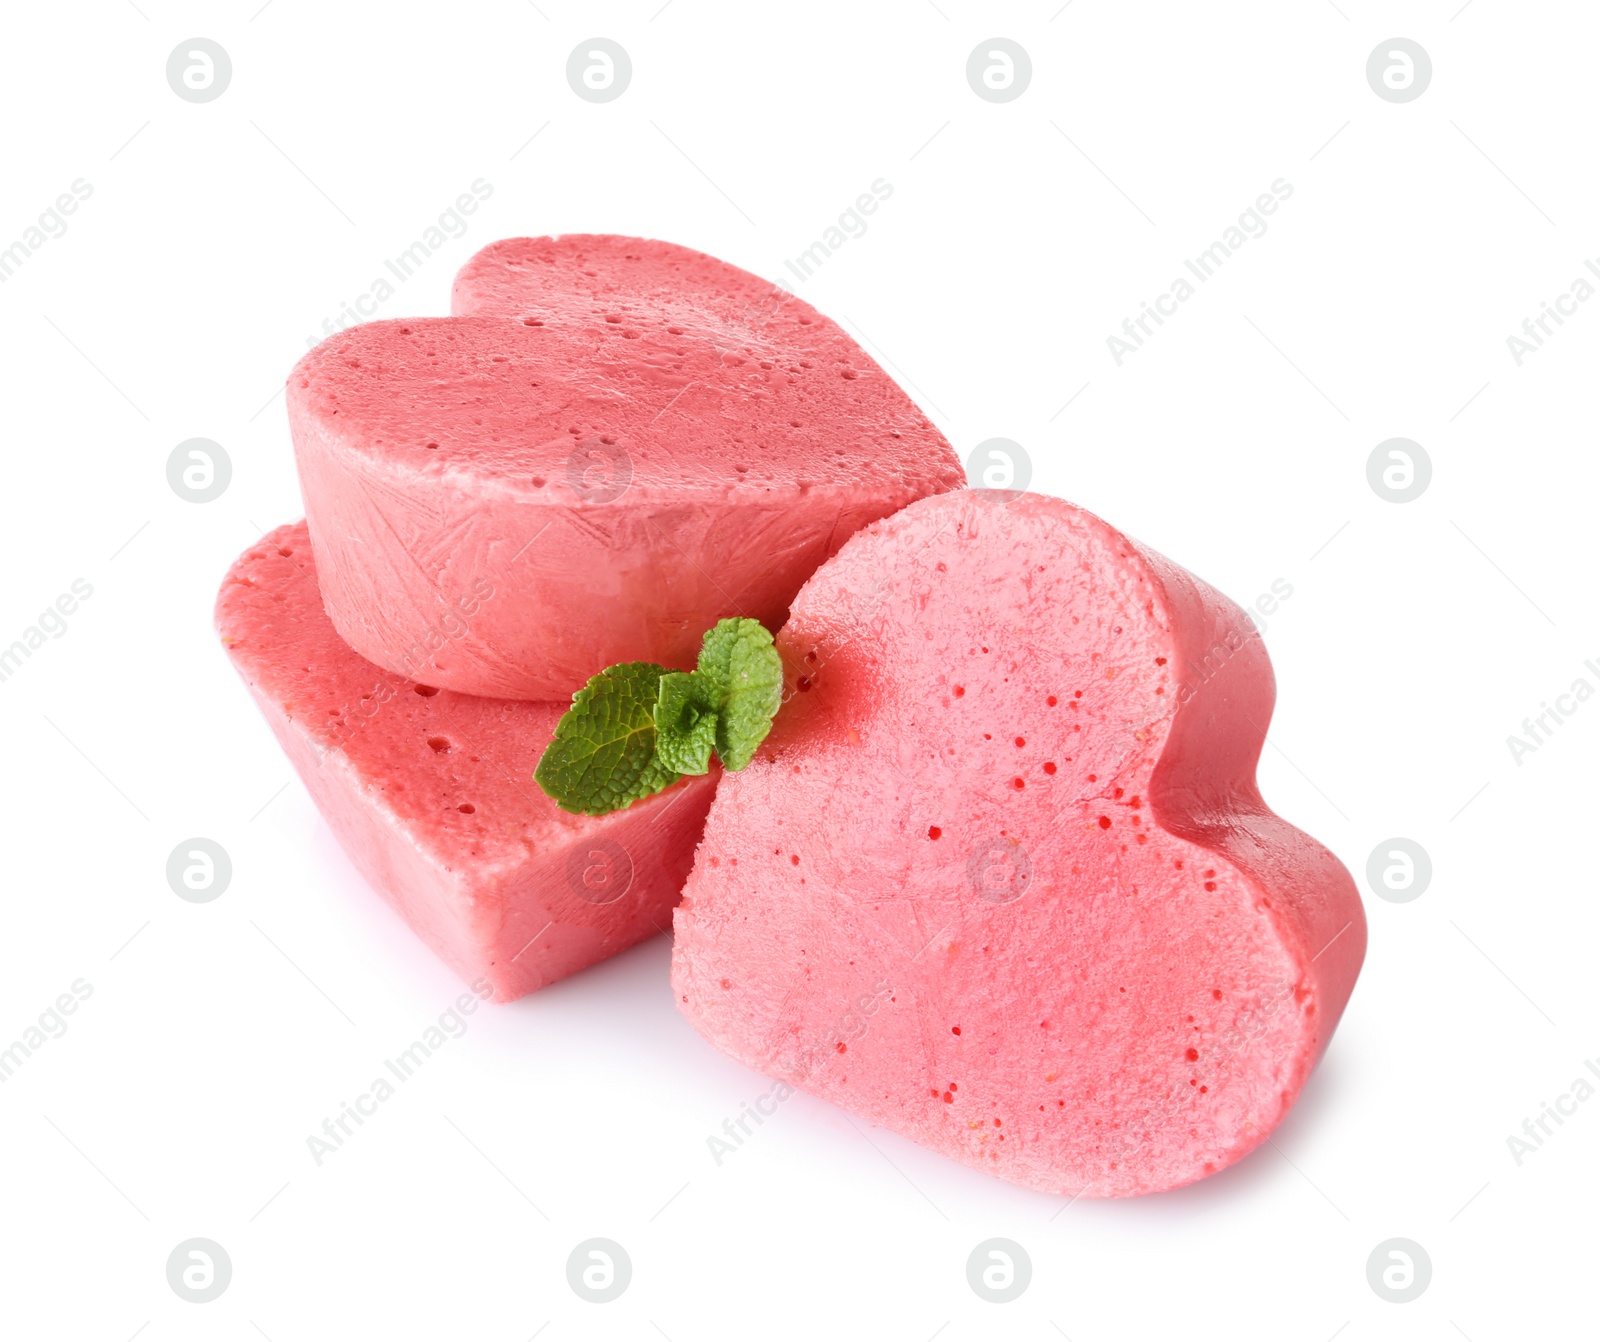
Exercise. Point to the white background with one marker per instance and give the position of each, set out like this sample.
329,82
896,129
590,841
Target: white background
1018,237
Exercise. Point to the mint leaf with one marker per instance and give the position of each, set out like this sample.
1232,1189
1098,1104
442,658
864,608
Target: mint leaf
686,722
637,728
737,657
602,757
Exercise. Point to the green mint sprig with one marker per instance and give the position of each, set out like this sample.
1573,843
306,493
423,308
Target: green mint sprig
637,728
